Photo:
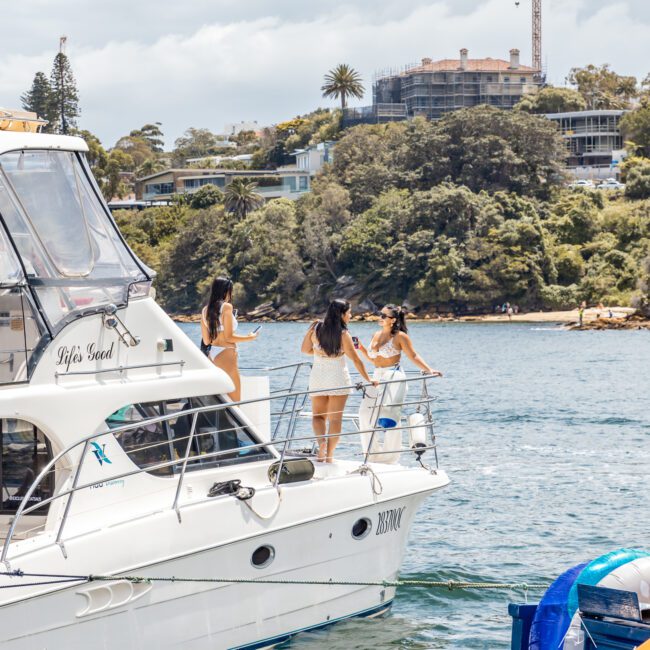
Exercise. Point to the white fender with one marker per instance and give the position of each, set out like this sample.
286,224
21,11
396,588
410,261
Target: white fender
417,430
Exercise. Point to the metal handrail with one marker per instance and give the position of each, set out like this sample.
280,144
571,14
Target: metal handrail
100,371
24,509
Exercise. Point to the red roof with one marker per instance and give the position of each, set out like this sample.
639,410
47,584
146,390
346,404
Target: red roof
473,65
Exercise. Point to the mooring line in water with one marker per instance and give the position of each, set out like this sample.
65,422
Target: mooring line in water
450,585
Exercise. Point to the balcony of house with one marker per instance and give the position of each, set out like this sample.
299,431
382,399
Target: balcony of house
158,191
289,184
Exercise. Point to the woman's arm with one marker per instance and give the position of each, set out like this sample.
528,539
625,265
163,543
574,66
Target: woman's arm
365,352
350,351
228,332
406,346
205,335
307,346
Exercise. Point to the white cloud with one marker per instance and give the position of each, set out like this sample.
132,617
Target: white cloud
270,68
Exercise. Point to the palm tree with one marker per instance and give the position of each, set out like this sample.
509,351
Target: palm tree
241,197
343,81
149,166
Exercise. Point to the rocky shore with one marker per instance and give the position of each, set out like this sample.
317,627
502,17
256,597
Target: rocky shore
629,322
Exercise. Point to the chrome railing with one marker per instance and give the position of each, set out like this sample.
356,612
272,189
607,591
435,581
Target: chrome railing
293,403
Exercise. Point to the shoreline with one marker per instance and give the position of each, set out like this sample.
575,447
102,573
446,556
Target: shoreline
622,318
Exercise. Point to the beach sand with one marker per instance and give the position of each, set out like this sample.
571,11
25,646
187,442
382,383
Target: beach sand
590,314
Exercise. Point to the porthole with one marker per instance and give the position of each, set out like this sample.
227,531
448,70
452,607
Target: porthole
262,556
361,528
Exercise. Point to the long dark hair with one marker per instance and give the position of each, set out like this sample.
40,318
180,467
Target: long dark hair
220,292
399,314
330,332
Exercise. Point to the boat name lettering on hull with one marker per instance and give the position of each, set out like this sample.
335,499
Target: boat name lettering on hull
390,520
70,355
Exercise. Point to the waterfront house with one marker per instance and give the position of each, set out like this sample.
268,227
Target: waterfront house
593,140
287,183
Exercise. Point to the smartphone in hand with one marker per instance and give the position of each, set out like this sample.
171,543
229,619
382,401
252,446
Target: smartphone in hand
355,342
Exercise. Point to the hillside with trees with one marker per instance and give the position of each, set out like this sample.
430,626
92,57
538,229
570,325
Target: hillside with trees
455,215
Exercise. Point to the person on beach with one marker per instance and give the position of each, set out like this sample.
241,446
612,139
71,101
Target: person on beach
330,342
218,327
385,352
581,312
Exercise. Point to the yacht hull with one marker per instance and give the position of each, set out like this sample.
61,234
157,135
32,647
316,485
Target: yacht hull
201,615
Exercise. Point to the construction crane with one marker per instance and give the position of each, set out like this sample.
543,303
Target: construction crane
537,33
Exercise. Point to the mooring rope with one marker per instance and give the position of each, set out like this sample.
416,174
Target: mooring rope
450,585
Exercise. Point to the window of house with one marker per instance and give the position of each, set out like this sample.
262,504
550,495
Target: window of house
150,444
303,184
24,452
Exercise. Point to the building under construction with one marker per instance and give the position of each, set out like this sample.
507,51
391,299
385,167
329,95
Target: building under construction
433,88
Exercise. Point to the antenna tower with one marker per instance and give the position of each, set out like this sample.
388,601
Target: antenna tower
537,35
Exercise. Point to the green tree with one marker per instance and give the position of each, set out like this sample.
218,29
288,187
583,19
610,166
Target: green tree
114,186
324,215
39,99
342,82
152,135
552,100
491,149
205,197
264,255
602,88
191,258
635,126
64,94
241,197
137,147
194,143
148,167
637,182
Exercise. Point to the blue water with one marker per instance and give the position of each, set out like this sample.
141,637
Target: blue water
545,435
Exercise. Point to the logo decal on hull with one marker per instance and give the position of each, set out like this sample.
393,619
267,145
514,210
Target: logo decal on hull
390,520
100,453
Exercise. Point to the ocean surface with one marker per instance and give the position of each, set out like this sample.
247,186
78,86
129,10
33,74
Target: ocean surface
545,435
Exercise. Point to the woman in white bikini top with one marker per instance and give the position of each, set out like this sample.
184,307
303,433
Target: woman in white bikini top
387,345
218,327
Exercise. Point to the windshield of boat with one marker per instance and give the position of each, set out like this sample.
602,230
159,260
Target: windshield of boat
69,246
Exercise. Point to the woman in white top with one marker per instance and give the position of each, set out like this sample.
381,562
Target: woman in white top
385,352
218,327
330,342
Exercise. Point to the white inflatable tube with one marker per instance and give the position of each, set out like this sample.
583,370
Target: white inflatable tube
632,576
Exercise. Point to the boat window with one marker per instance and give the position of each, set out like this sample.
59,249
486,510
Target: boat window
11,272
24,452
22,335
71,250
147,444
215,431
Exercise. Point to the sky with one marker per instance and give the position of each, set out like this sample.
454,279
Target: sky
206,63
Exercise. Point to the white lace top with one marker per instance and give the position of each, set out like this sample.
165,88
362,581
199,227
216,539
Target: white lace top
387,350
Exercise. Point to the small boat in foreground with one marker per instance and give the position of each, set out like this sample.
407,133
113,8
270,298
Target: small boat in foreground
599,605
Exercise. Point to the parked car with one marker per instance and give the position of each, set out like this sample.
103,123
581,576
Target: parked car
611,184
581,183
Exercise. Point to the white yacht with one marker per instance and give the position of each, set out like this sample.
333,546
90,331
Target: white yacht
121,456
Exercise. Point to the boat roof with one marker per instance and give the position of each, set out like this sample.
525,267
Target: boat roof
16,141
